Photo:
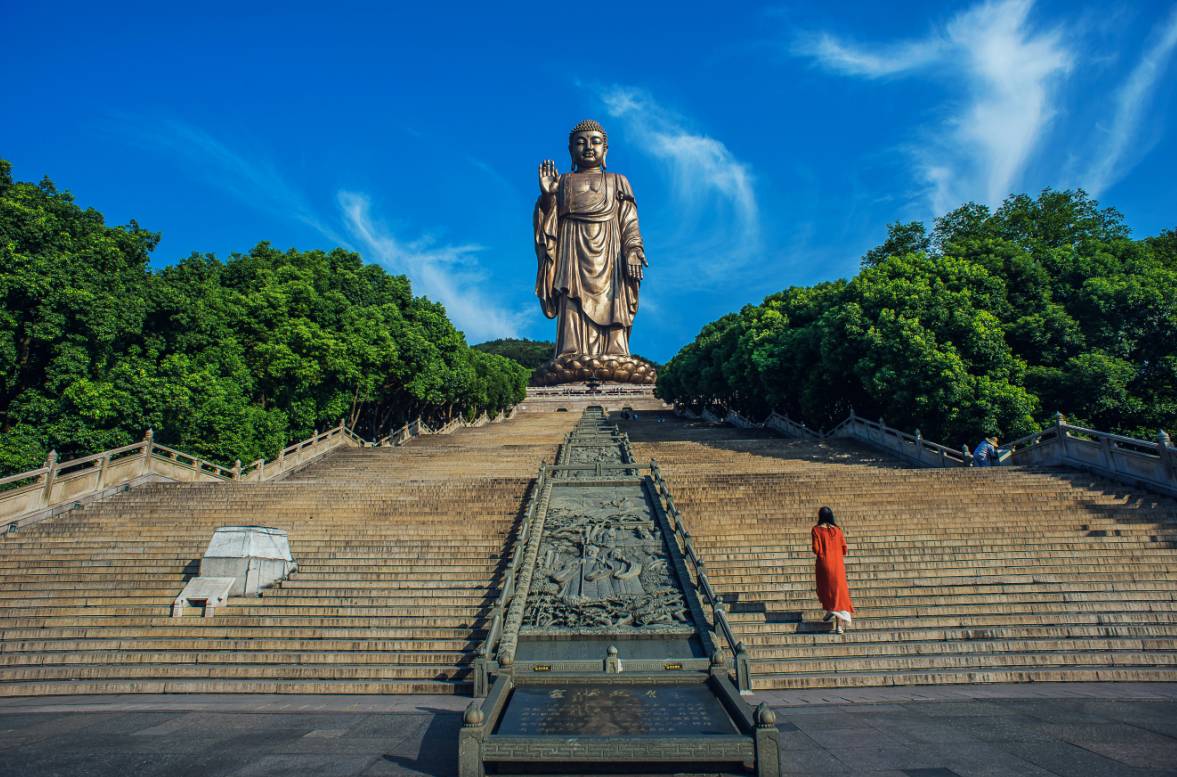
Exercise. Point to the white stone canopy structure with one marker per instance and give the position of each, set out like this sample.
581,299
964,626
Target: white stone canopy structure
255,556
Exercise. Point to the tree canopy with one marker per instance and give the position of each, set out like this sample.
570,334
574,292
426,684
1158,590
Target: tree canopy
989,324
223,359
529,353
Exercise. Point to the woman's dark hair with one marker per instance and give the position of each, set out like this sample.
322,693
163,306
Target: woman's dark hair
826,515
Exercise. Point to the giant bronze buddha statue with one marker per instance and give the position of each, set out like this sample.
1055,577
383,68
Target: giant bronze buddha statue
591,264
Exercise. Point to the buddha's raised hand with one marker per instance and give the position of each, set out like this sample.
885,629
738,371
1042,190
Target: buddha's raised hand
634,262
549,178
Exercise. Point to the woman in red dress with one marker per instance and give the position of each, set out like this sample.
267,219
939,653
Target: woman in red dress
830,546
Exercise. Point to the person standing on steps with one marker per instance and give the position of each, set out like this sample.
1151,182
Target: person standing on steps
829,545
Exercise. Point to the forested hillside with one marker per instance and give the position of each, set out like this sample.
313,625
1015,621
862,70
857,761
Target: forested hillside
529,353
989,323
223,359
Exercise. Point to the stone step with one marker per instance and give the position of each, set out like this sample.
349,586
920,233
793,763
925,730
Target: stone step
860,649
1057,565
341,686
220,671
260,643
977,660
201,628
202,656
1009,674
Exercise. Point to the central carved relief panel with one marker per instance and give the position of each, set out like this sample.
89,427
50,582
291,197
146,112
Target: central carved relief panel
603,567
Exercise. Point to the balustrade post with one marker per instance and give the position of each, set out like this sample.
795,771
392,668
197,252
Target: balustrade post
103,464
50,476
919,446
968,457
743,668
1060,433
1165,452
148,443
261,469
236,471
1105,449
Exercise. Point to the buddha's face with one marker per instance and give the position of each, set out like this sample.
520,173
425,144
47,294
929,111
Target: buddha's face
588,149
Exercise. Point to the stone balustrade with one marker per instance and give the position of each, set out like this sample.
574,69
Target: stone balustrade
1125,459
789,427
57,486
1114,456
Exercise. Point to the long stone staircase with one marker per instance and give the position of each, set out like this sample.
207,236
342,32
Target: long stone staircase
398,548
958,575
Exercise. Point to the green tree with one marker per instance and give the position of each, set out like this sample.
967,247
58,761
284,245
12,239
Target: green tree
529,353
989,325
71,301
226,360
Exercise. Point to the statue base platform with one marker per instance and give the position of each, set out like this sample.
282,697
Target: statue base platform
575,397
609,368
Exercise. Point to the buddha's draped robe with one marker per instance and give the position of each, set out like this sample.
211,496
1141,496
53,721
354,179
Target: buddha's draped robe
583,234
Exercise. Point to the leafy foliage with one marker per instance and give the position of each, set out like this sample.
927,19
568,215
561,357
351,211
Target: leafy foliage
227,359
529,353
988,325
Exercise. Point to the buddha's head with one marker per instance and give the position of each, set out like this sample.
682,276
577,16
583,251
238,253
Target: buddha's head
588,144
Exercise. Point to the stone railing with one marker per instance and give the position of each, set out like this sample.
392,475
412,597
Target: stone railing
912,448
536,501
707,415
1116,457
57,486
735,419
419,428
790,428
722,626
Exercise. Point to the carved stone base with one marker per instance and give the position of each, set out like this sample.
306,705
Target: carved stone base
575,367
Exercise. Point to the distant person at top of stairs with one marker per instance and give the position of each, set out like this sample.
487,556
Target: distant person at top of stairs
829,545
985,454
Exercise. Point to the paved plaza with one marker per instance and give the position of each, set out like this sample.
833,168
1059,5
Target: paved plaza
1067,730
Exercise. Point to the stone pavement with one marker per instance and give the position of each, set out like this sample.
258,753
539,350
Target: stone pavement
1065,730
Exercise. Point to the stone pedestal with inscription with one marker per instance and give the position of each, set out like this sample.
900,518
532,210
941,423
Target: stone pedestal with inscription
599,651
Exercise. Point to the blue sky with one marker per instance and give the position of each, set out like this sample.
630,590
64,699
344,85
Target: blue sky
768,145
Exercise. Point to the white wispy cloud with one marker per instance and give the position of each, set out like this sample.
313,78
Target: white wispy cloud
254,181
449,274
713,192
1111,159
858,61
1007,71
